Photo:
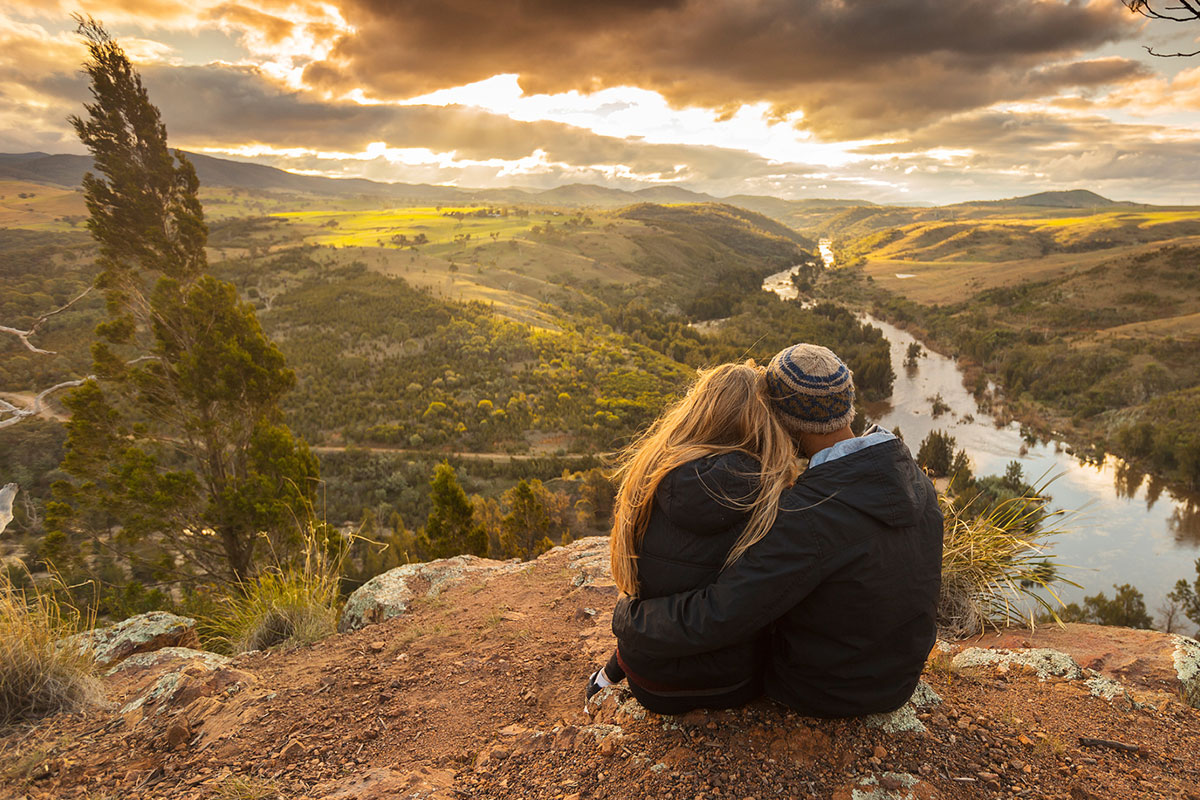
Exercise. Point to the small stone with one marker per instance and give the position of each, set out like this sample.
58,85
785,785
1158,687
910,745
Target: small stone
880,752
376,647
178,734
293,751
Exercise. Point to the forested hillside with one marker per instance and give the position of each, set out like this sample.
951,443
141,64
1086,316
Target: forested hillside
520,343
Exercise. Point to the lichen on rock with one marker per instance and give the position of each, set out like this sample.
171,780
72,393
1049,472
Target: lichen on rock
885,786
905,719
1187,668
156,657
144,633
1043,662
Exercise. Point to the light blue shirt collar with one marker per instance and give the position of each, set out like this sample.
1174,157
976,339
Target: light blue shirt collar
870,437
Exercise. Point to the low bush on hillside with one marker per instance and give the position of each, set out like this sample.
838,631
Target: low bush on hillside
37,675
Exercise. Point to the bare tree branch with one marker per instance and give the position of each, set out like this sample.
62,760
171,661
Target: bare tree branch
37,323
1144,8
1153,52
19,413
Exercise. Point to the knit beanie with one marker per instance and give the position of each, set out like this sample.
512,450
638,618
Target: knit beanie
811,389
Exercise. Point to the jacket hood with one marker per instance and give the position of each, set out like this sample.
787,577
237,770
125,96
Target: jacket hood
701,495
882,481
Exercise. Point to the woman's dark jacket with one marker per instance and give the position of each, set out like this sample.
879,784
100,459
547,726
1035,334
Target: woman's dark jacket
691,529
849,575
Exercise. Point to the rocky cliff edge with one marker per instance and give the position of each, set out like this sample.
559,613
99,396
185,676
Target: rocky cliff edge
464,678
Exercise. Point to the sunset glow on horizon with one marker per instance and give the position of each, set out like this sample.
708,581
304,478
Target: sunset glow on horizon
907,101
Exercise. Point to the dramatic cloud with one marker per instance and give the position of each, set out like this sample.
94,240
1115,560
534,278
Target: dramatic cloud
853,68
889,101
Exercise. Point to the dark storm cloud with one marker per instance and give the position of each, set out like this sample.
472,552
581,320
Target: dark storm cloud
851,66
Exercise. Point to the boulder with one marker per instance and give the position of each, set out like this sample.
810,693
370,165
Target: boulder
389,595
144,633
1148,662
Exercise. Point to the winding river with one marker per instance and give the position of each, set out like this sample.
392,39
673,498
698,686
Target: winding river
1122,527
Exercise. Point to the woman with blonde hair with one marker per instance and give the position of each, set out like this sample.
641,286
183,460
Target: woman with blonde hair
696,490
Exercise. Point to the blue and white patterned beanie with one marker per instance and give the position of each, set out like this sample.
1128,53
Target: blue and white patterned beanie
811,389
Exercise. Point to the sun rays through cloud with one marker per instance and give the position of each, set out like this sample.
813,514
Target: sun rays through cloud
904,102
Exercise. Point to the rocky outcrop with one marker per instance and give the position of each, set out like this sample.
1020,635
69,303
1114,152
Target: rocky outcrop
186,682
588,561
389,595
144,633
479,695
1153,666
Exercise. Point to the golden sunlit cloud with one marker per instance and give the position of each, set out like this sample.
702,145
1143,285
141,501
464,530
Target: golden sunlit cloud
916,98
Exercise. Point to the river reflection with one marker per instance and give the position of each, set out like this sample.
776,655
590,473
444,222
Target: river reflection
1125,527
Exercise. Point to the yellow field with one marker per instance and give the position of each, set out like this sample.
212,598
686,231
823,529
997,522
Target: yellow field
952,281
43,208
377,227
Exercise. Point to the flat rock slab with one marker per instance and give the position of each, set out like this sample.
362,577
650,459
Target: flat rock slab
390,594
144,633
390,784
1162,664
142,661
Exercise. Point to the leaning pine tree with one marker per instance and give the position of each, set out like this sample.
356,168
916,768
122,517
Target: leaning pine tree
179,459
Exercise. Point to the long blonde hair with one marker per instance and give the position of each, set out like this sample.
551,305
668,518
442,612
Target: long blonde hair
725,410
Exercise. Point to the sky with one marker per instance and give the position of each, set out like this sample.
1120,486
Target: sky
894,101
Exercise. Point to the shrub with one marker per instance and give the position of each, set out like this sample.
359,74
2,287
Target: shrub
37,676
995,565
291,604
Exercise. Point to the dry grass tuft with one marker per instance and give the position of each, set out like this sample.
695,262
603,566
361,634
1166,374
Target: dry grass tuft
240,787
37,676
995,565
294,604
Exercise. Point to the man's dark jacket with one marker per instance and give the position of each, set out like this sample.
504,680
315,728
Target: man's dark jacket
693,524
849,575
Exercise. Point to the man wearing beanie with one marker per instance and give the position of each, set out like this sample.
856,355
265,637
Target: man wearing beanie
847,580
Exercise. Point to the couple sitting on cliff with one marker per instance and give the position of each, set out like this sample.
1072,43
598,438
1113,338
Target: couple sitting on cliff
741,576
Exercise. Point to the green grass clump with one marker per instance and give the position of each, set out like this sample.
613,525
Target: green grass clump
37,676
995,567
294,604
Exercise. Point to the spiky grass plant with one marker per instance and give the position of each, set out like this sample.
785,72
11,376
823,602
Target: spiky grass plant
290,603
38,675
996,568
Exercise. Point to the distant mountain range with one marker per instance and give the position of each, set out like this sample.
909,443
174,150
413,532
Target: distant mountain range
68,170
